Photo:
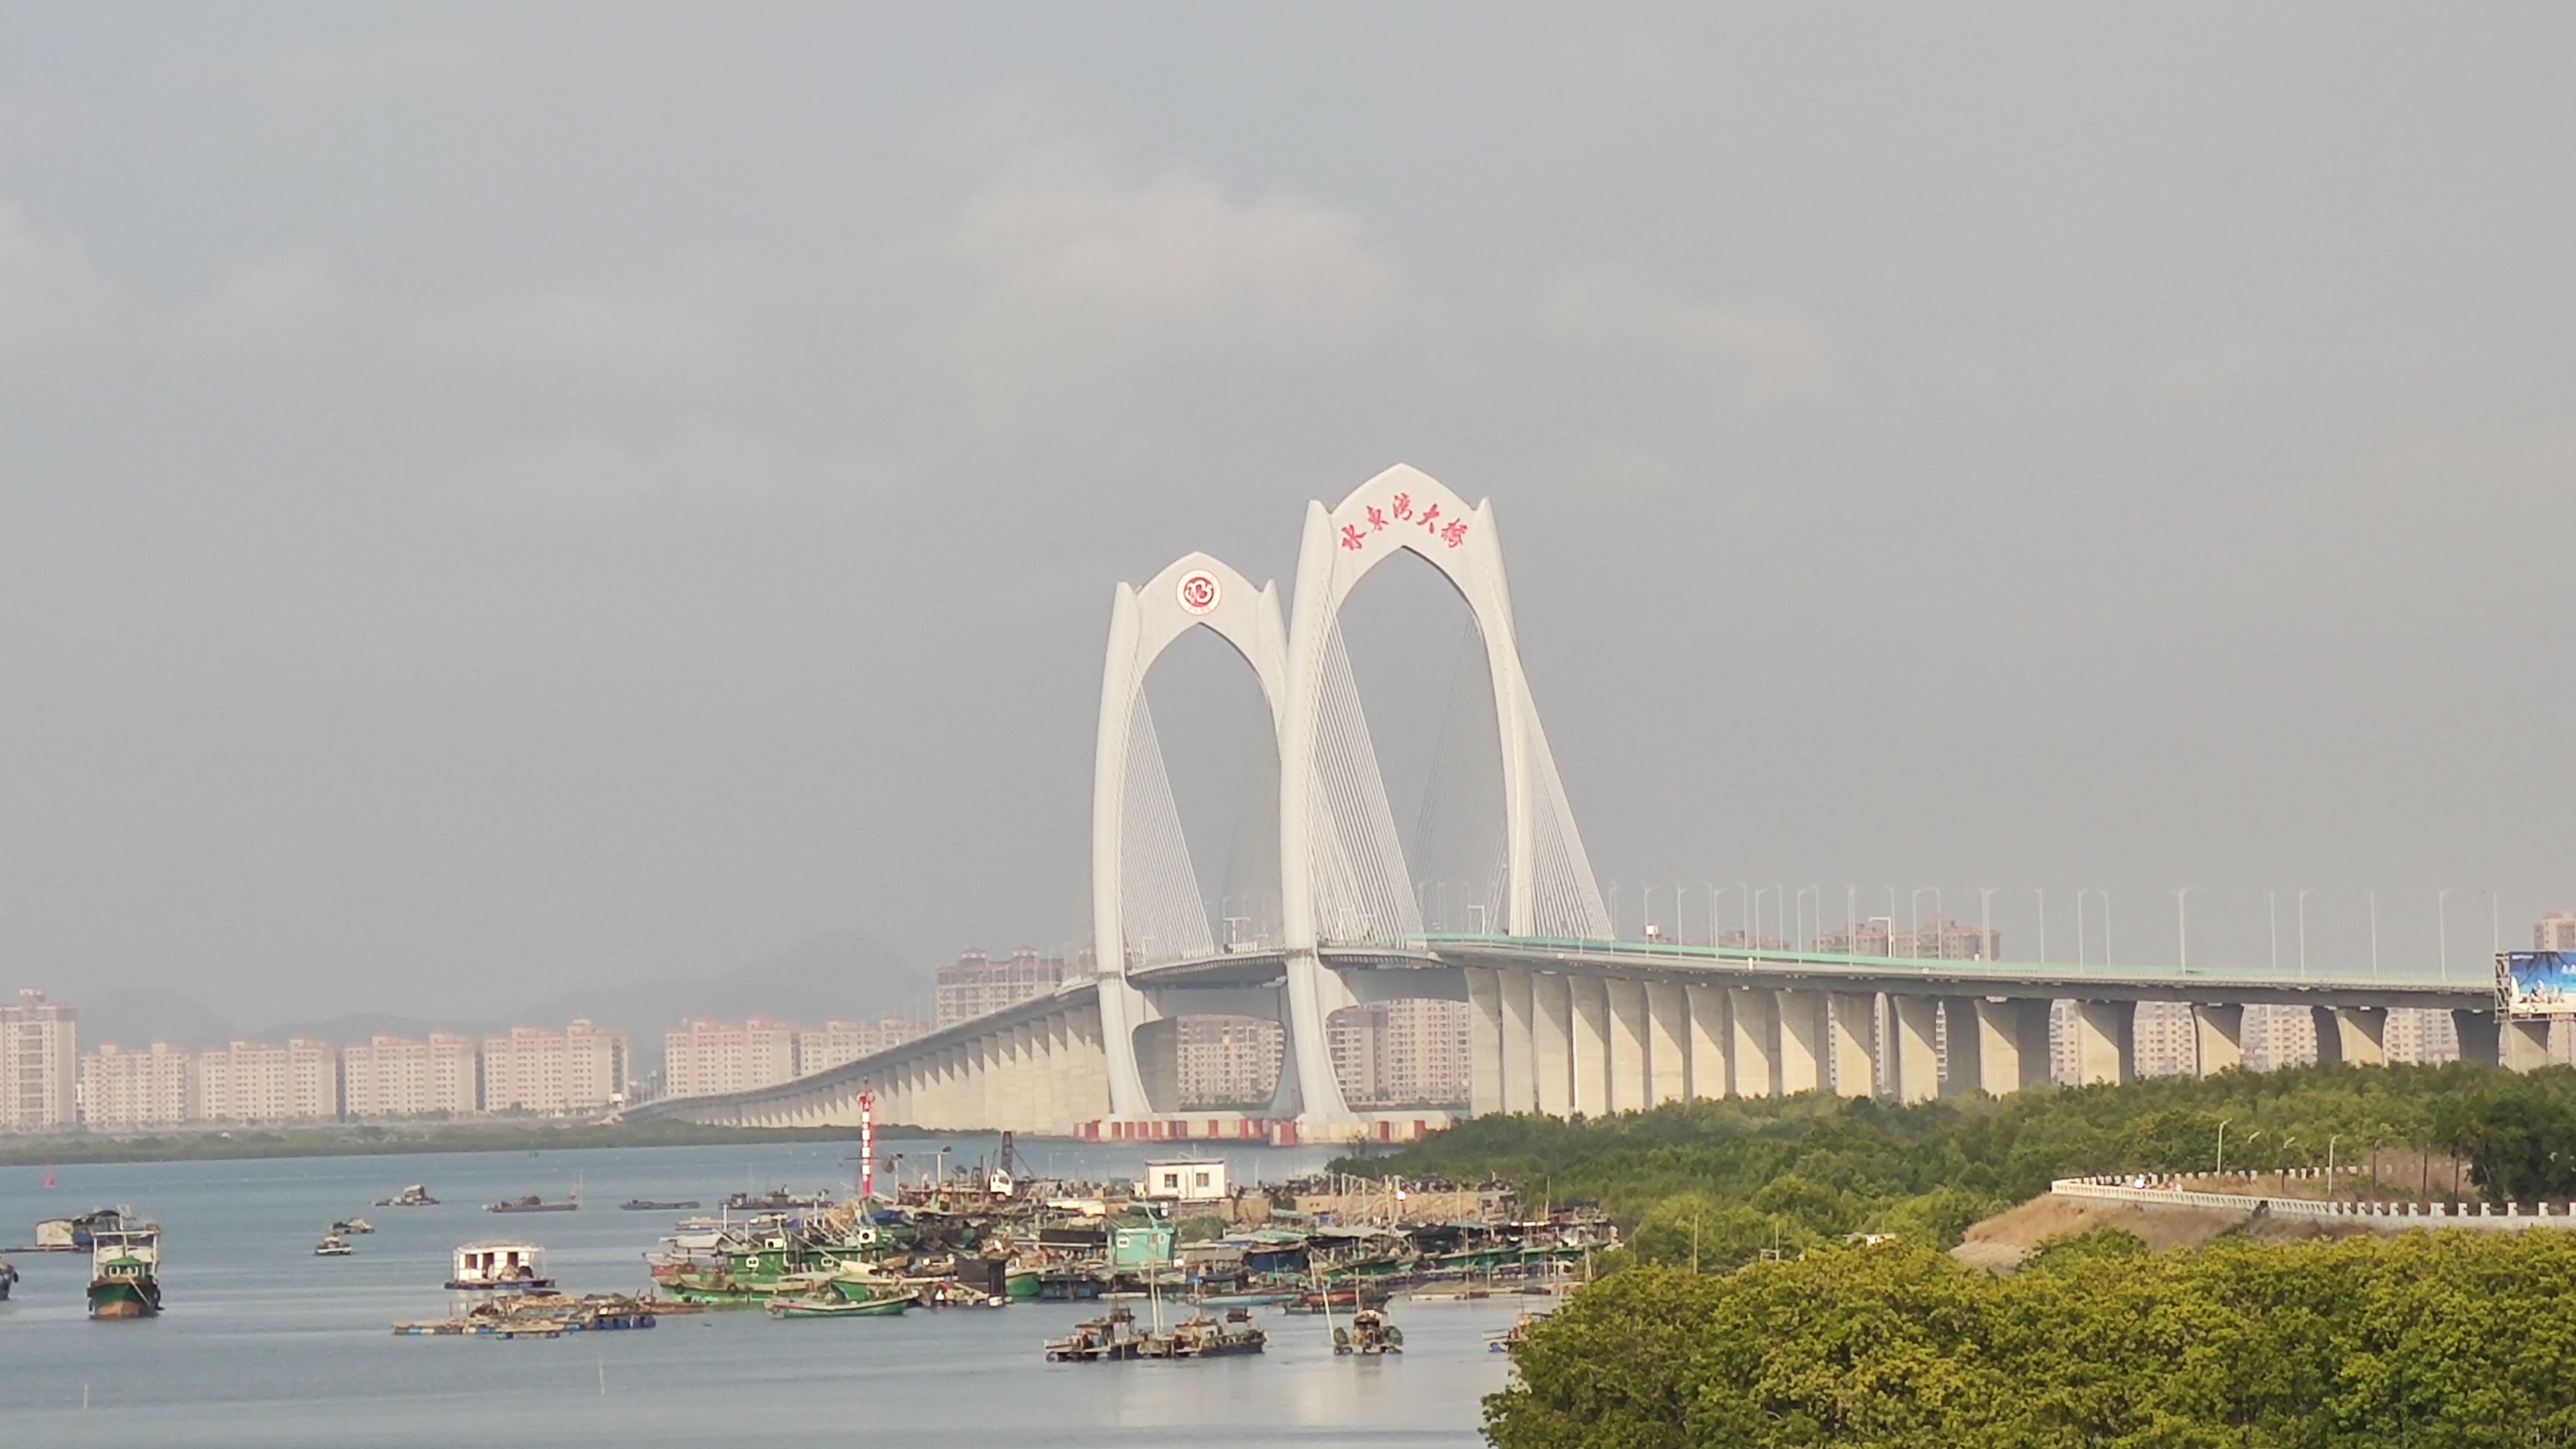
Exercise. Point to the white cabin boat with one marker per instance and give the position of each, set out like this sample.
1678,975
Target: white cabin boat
504,1265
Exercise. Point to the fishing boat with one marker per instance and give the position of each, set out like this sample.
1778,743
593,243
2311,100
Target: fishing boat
1368,1336
646,1205
1094,1340
776,1200
353,1226
1200,1336
535,1204
1514,1336
125,1272
415,1195
332,1246
503,1266
842,1298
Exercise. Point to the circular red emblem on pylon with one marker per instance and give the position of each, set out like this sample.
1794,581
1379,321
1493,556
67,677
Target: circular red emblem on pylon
1198,591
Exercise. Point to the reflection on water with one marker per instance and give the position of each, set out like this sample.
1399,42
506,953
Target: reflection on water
264,1343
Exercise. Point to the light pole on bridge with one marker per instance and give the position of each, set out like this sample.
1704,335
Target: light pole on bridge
2373,898
2303,932
2041,892
2442,928
2182,929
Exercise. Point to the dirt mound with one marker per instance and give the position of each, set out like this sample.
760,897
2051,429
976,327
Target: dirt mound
2000,1242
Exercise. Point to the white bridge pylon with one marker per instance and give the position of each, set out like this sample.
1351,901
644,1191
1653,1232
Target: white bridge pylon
1343,885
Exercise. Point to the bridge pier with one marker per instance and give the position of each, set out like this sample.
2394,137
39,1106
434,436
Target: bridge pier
2218,1037
1750,1047
1803,1041
1520,1059
1916,1067
2105,1041
1631,1079
1668,1060
1709,1037
1484,1042
1591,996
2526,1045
1965,1046
2357,1035
1854,1044
1552,1041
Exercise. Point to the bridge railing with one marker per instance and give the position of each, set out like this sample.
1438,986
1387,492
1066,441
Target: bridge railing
1971,968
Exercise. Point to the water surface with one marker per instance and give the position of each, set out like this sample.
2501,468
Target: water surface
263,1343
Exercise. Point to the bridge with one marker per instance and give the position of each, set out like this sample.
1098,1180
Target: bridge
1328,915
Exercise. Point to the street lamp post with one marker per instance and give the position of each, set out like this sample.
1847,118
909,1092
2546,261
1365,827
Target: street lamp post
2041,892
2330,1165
2272,911
2373,898
2222,1144
2442,927
2182,929
2303,935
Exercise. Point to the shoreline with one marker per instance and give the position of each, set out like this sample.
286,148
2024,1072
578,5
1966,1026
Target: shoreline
353,1140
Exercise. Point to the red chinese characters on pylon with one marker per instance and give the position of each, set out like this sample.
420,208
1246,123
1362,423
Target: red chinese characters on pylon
1401,509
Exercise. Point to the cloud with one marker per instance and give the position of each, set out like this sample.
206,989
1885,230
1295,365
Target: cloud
1068,260
1776,356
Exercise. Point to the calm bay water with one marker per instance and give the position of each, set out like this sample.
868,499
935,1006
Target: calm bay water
263,1343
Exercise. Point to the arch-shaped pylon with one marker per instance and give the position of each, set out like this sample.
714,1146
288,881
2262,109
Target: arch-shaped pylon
1196,591
1406,509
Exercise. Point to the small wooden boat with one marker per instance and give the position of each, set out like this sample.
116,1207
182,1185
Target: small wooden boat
332,1246
644,1205
1511,1337
353,1227
838,1298
415,1195
1368,1336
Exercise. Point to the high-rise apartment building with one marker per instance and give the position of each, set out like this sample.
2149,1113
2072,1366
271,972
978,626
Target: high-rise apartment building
840,1042
1401,1053
243,1082
2165,1043
123,1090
1228,1061
39,1064
578,1069
386,1077
976,985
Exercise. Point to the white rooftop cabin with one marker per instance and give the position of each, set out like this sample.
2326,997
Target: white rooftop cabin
1185,1180
496,1265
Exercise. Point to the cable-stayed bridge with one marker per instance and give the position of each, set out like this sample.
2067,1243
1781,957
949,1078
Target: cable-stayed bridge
1321,912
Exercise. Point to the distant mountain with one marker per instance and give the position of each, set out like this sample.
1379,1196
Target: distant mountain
346,1030
138,1016
845,974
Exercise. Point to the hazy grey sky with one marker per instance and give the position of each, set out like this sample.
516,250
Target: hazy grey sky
498,498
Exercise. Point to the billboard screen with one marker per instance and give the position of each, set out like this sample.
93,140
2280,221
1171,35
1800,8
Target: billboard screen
2538,983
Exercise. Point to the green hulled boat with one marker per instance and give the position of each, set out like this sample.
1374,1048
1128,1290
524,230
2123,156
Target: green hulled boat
125,1272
